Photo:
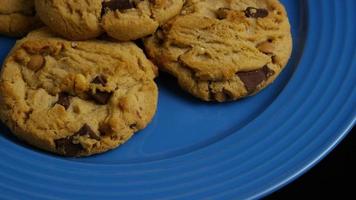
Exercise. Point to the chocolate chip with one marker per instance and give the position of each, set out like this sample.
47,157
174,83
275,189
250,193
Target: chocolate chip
67,147
222,13
211,91
30,13
160,36
256,12
86,130
117,5
252,79
102,80
140,43
133,126
64,100
101,98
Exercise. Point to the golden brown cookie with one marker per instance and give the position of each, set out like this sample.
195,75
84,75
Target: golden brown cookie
222,50
76,98
17,17
123,20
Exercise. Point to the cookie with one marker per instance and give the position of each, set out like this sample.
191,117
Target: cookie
221,50
76,98
17,17
123,20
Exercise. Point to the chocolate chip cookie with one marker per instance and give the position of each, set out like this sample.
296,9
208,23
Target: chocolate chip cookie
123,20
222,50
17,17
76,98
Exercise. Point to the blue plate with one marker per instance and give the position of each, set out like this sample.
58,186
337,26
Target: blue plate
196,150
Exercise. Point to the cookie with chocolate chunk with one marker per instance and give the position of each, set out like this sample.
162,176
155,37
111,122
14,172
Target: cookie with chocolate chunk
76,98
222,50
17,17
123,20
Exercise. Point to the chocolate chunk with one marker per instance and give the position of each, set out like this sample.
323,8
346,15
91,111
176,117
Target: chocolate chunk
256,12
86,130
64,100
66,146
102,80
117,5
252,79
101,98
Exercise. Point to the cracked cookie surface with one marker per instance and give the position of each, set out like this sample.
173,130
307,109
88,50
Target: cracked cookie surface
17,17
123,20
221,50
76,98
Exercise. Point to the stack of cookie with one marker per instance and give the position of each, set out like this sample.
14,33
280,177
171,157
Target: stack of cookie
80,85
